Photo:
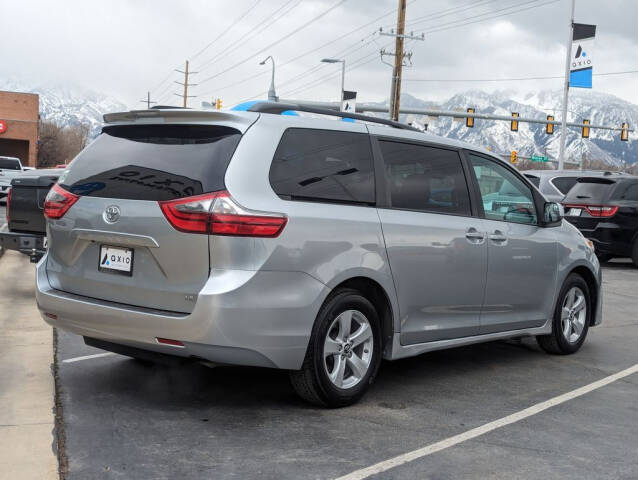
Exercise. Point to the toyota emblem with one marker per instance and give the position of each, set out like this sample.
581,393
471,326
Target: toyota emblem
111,214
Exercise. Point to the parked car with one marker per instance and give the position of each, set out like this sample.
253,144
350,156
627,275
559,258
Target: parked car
555,184
605,210
25,212
311,245
9,168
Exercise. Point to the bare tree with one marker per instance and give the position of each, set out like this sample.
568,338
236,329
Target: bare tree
60,144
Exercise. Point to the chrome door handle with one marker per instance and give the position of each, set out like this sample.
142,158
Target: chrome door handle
498,237
474,236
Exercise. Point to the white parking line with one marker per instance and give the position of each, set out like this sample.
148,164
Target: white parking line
87,357
483,429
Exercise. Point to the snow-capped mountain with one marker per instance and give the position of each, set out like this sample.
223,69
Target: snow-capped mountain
67,106
74,105
531,139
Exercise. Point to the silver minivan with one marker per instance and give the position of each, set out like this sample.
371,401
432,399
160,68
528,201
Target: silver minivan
313,245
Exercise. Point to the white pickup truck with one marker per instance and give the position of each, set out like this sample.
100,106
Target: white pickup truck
10,167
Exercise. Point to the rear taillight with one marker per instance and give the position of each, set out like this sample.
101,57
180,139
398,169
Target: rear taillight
8,208
58,201
218,214
605,211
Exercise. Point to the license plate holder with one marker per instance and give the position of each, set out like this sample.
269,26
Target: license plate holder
118,260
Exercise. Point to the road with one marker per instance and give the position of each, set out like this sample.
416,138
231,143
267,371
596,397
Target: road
125,419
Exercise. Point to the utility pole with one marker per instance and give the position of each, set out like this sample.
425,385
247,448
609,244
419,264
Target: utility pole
568,56
148,100
395,89
399,58
186,73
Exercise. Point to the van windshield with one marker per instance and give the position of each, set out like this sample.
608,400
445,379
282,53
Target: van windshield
153,162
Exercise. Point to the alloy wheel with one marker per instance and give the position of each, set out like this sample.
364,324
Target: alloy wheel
573,314
347,349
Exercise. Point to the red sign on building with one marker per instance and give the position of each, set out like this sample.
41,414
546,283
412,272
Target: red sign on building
3,126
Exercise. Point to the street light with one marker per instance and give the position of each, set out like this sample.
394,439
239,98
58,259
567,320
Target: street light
272,96
343,71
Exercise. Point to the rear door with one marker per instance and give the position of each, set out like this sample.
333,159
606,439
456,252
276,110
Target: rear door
521,267
115,243
436,247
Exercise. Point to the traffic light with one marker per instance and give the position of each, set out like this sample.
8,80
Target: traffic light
549,127
514,125
513,156
586,129
469,121
624,133
218,104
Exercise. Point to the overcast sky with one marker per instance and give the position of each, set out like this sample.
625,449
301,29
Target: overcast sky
126,47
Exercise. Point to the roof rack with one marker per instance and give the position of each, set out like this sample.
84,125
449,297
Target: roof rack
278,108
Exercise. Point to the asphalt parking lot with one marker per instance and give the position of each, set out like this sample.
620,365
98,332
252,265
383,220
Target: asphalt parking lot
123,419
126,419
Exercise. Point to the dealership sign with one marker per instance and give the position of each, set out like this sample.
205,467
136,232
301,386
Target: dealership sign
3,126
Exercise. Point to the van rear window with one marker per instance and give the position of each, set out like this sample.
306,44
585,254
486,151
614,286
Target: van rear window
153,162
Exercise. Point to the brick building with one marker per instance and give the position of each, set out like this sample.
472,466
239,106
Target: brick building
19,126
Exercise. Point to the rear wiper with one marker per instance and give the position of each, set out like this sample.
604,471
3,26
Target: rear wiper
583,196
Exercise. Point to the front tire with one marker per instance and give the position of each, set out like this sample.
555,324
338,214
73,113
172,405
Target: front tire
572,317
343,354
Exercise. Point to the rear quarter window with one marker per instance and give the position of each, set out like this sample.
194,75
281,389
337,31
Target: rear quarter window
323,165
153,162
564,184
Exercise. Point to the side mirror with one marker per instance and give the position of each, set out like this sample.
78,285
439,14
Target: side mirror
553,213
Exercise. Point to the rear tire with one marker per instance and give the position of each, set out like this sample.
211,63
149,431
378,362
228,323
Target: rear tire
572,316
343,354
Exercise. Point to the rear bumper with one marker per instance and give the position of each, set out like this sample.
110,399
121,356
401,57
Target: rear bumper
27,243
257,318
609,238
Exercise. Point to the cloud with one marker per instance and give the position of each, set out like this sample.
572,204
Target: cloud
125,48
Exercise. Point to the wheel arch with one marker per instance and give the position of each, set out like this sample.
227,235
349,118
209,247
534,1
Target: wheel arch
593,286
373,291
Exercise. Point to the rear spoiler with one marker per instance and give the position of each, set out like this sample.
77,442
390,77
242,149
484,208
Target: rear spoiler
239,120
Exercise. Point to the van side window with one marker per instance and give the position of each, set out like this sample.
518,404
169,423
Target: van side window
425,178
326,165
505,196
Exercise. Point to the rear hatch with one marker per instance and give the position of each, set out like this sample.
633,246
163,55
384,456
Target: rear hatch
114,243
588,202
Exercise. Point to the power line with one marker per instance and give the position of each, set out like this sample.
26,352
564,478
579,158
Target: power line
445,27
302,74
237,20
355,64
448,11
261,26
314,49
276,42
